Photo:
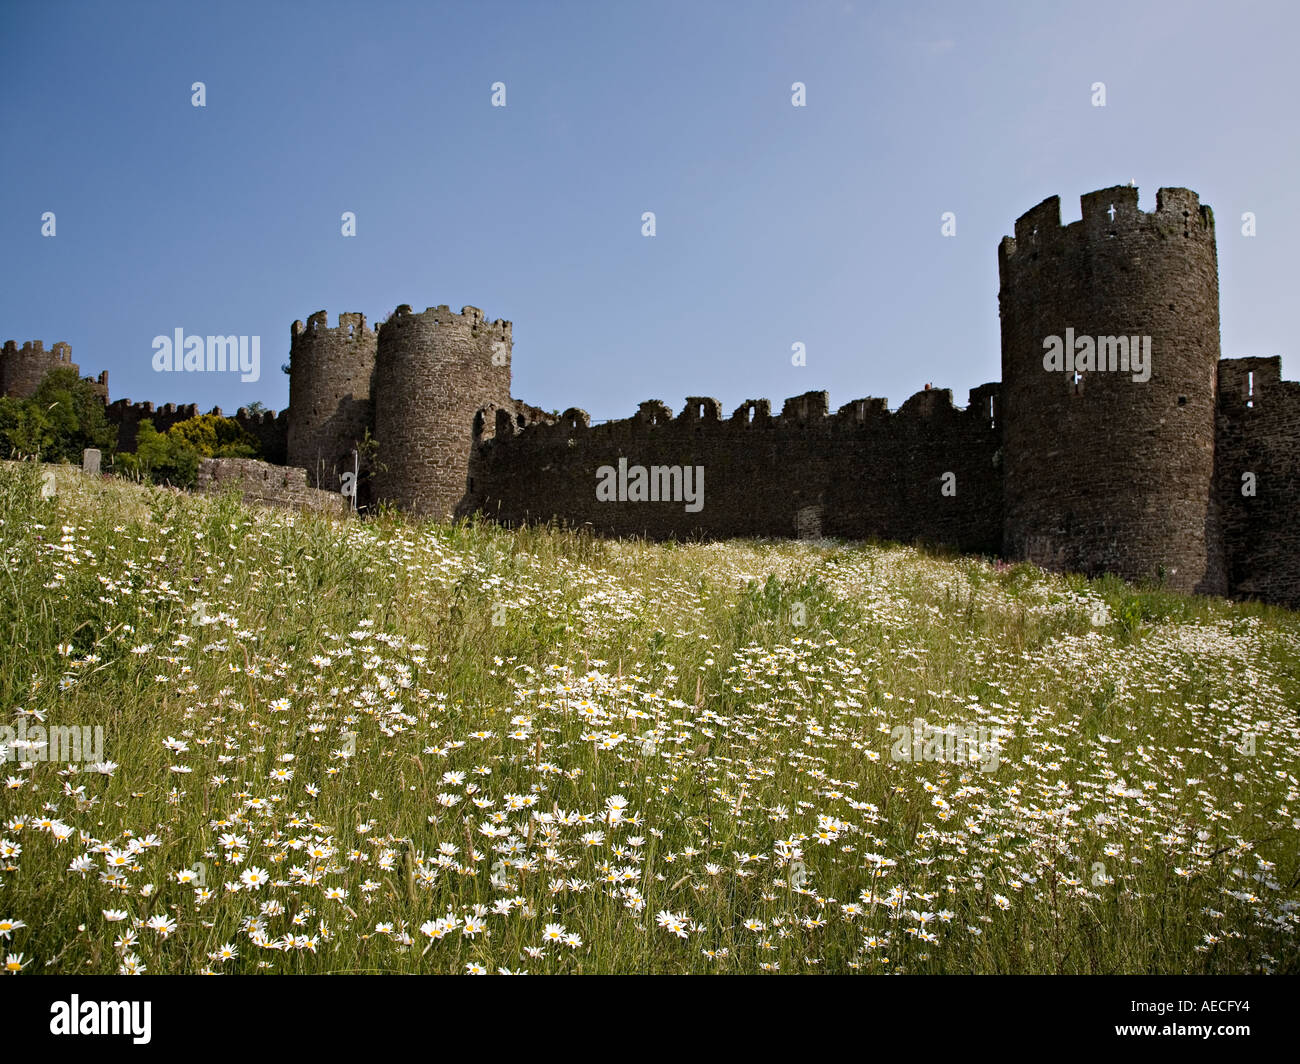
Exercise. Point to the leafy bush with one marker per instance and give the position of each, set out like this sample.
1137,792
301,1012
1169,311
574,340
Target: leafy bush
214,436
159,458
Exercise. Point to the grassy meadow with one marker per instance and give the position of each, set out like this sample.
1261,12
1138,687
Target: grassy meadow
383,746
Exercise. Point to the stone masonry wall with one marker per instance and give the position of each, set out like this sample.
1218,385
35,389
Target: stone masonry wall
267,427
1259,433
267,485
22,369
330,376
1109,474
127,416
433,373
862,473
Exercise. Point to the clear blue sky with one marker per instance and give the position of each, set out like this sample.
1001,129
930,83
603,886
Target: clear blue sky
775,224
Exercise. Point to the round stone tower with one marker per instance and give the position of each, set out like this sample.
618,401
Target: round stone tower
23,369
1110,351
330,376
434,371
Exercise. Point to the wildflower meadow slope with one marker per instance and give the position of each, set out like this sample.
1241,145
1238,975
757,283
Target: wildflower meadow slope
383,746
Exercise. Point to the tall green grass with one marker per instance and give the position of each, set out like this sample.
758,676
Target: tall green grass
769,674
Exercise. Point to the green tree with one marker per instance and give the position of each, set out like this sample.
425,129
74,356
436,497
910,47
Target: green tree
62,418
24,428
213,436
77,412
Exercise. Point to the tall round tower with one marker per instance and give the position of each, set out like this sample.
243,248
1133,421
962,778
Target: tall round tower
23,369
434,371
1110,351
330,375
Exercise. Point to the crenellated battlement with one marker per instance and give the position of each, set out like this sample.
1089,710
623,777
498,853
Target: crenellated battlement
351,326
35,349
807,413
471,319
23,368
1248,383
502,421
125,410
260,417
1108,214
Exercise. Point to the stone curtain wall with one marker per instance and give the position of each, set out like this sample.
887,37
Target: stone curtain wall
863,472
1111,474
127,416
270,429
267,485
267,427
1259,432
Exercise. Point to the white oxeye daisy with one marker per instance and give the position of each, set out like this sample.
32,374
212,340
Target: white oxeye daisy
254,878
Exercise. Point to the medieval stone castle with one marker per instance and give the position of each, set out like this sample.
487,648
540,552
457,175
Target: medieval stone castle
1118,440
